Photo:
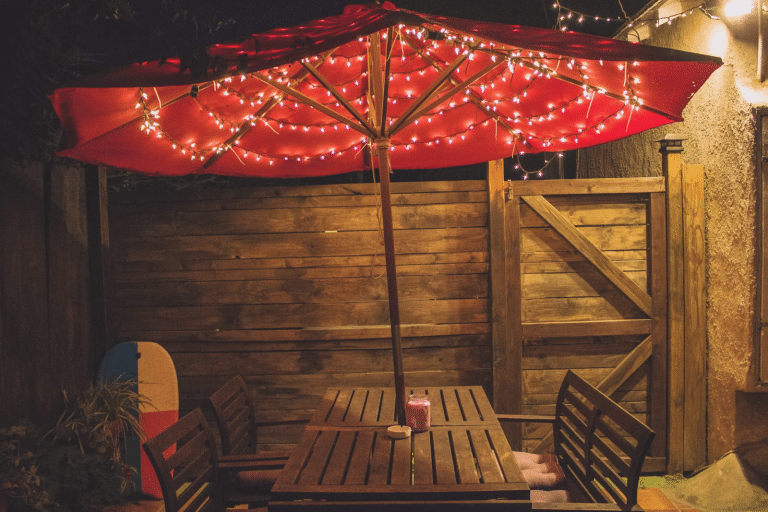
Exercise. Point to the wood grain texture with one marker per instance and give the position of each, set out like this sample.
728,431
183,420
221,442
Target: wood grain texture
286,286
672,169
694,270
591,251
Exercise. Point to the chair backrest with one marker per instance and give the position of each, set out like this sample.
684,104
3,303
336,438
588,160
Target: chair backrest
600,443
234,414
571,431
619,445
189,476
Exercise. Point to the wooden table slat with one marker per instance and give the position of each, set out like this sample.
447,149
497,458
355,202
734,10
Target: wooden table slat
339,411
436,406
337,465
468,406
463,457
316,464
379,466
452,407
490,471
356,406
401,462
422,458
483,405
506,457
298,457
370,415
387,413
445,472
358,462
324,407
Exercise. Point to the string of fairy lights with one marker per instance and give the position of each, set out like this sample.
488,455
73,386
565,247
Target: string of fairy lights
566,16
521,66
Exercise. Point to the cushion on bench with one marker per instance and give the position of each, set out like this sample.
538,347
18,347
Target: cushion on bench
557,496
541,471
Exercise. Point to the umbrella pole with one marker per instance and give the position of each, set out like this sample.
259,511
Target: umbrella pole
382,147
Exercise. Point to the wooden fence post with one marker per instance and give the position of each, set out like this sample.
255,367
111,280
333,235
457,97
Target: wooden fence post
687,309
98,255
694,271
672,168
506,371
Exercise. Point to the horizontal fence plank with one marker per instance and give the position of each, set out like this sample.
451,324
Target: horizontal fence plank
345,190
263,274
587,186
300,334
590,214
586,328
573,357
614,306
328,361
375,261
290,244
606,238
589,283
297,220
283,316
301,290
213,202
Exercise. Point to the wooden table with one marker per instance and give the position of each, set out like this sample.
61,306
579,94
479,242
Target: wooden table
346,461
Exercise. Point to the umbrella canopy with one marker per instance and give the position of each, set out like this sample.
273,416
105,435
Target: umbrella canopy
375,86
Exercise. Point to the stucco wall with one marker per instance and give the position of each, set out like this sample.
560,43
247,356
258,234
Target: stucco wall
720,132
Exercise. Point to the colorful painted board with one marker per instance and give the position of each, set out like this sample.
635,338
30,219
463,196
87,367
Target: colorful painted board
153,368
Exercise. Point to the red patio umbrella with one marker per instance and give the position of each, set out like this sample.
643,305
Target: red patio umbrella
375,86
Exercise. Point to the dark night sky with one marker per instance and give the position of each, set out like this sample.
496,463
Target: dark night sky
255,16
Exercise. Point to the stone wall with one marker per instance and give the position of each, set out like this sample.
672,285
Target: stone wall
720,130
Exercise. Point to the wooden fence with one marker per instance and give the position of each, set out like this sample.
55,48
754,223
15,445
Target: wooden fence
586,290
286,286
50,284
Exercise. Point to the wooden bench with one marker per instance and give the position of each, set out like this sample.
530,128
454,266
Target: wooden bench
599,446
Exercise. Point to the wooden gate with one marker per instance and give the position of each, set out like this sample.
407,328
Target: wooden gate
585,273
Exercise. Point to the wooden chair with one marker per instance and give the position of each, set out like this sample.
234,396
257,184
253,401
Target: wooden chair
249,471
599,446
189,477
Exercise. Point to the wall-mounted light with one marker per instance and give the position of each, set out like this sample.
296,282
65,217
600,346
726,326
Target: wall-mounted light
738,15
737,8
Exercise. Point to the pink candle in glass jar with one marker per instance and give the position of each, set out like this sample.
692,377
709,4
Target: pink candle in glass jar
418,412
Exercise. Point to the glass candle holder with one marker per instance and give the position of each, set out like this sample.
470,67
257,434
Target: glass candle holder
418,412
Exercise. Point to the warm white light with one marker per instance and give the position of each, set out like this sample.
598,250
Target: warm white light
736,8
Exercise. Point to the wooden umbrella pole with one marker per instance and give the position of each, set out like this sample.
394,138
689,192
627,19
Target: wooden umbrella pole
382,147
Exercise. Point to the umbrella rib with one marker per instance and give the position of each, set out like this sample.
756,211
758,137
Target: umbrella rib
312,103
384,103
374,73
246,127
138,118
450,92
429,92
581,84
472,94
335,92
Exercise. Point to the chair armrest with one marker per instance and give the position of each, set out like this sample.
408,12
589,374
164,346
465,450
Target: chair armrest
532,418
281,422
252,462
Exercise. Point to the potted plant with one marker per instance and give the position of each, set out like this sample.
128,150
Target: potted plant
79,465
20,482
